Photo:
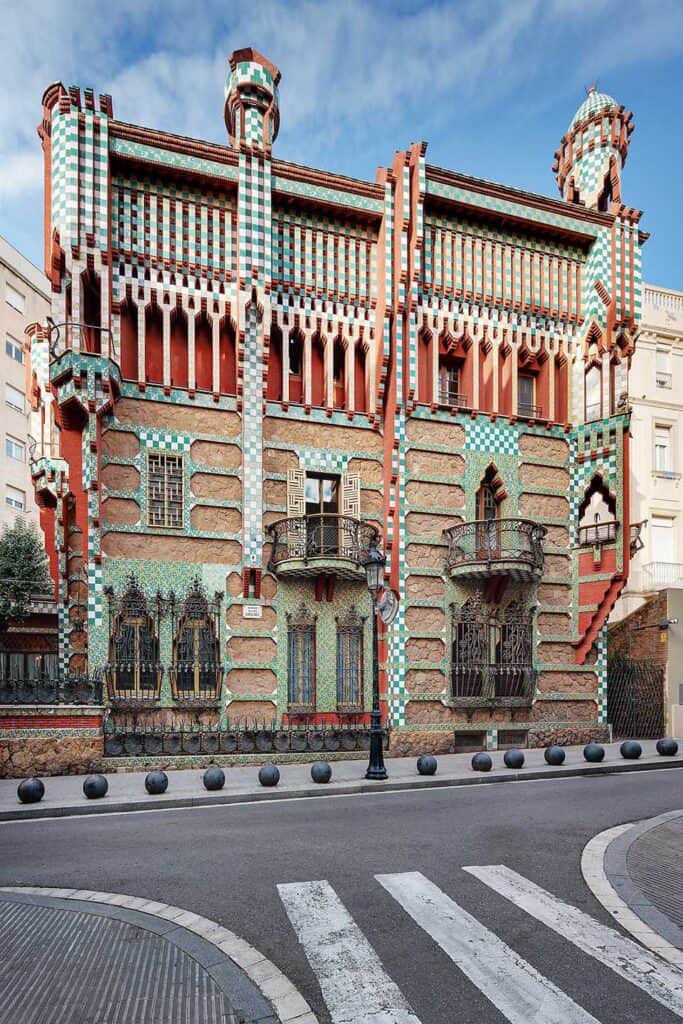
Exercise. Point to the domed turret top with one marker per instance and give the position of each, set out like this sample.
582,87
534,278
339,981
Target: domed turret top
594,102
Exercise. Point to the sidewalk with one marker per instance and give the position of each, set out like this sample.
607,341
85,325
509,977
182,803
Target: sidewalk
64,794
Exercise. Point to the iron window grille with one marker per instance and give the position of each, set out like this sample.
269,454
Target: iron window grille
133,672
165,490
350,662
196,672
301,659
492,653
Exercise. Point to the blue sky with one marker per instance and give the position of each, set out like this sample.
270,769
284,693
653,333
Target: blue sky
491,85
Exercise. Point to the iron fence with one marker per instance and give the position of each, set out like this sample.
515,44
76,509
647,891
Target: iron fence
16,690
635,698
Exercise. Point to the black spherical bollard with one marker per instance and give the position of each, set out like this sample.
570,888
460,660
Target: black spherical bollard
426,764
269,775
631,750
156,783
213,778
514,758
667,747
482,763
554,755
321,771
31,791
593,752
95,787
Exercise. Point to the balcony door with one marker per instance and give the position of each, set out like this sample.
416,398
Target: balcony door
322,511
488,516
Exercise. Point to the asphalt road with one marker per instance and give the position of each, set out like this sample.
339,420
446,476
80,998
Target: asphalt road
226,863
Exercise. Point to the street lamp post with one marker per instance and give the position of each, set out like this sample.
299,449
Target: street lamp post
374,573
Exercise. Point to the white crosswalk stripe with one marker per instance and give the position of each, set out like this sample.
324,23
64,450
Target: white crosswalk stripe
516,988
353,982
658,979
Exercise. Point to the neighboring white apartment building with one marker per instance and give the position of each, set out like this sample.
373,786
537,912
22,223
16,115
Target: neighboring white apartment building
24,299
656,397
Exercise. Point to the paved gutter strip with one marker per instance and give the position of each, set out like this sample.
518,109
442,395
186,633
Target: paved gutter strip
106,806
264,995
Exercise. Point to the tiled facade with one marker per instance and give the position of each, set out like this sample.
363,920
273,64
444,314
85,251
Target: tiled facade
267,325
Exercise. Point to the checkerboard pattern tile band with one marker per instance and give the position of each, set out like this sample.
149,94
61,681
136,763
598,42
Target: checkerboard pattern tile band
481,435
165,441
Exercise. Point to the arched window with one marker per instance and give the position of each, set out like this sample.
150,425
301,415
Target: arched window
593,392
227,357
296,366
154,345
350,661
179,348
450,381
301,660
128,319
196,671
91,310
425,368
339,374
488,501
274,386
133,671
597,514
203,352
360,385
317,371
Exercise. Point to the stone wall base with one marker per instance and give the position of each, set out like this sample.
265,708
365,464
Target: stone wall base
50,755
568,735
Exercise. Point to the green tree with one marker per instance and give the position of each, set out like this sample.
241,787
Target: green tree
24,569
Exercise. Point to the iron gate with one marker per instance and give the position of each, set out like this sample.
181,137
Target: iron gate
635,699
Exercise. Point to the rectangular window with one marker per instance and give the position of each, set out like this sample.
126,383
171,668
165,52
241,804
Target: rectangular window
526,396
301,666
165,490
662,538
350,667
322,509
15,498
15,449
14,397
662,448
14,298
449,385
14,350
663,368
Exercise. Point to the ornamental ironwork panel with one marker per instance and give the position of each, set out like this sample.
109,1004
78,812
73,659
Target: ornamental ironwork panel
76,689
196,672
133,671
492,653
635,698
322,535
488,541
301,629
350,661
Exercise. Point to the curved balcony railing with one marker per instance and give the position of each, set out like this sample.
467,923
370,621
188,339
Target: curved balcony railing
304,542
495,546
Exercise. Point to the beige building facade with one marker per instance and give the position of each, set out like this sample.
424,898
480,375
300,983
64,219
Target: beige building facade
656,398
24,299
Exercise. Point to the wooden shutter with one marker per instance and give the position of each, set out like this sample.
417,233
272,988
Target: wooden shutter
296,510
350,495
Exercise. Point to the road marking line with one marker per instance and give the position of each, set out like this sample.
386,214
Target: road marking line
353,982
514,987
595,877
658,979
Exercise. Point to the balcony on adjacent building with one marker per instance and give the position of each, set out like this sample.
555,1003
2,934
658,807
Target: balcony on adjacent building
660,575
325,542
496,547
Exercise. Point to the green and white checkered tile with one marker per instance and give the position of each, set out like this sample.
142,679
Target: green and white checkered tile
165,441
483,435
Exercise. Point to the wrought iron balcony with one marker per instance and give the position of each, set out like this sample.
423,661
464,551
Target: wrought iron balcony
196,683
133,682
526,411
496,547
306,545
598,533
47,689
453,399
509,685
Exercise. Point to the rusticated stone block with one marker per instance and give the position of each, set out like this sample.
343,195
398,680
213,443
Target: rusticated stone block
275,492
422,649
543,506
425,680
435,495
554,594
216,520
557,536
252,680
277,460
50,755
191,419
434,464
120,478
564,711
425,620
569,735
568,682
371,502
541,447
555,654
250,711
209,485
424,588
557,625
426,432
297,432
557,565
165,548
425,556
120,511
217,455
543,476
371,471
269,587
414,743
239,624
233,585
252,648
422,524
119,444
431,712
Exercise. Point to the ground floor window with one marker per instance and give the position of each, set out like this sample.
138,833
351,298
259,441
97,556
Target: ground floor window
350,661
301,660
23,665
133,670
492,651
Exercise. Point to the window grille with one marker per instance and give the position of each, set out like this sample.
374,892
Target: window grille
134,671
350,662
164,490
301,660
196,672
492,652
